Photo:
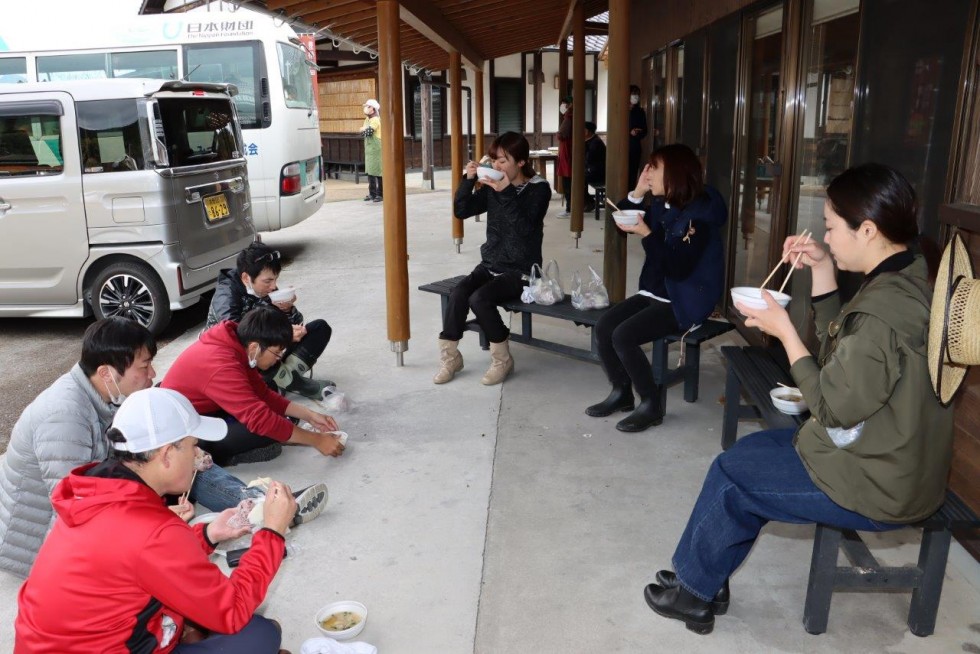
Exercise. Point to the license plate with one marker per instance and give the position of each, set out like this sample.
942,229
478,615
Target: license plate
216,207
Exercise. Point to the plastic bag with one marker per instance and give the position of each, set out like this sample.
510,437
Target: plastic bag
544,287
591,294
334,401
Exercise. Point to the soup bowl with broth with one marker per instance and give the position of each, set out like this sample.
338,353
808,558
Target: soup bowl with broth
341,620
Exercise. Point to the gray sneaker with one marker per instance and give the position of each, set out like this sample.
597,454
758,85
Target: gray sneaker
564,214
311,501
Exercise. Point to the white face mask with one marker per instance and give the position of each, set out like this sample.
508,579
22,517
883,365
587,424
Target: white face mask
252,362
367,111
120,397
562,108
250,290
634,99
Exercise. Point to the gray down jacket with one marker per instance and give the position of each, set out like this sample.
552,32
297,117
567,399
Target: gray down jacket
61,429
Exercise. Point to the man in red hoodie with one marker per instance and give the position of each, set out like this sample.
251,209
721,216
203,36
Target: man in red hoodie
220,375
120,572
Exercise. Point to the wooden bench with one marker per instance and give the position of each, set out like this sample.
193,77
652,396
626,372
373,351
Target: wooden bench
754,371
688,373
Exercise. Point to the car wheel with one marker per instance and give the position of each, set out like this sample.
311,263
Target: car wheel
131,290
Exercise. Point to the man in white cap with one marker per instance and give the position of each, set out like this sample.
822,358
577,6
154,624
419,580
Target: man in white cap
121,572
371,131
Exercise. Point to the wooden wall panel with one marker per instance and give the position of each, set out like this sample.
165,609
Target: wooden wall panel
341,104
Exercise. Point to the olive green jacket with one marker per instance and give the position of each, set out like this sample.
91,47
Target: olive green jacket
873,368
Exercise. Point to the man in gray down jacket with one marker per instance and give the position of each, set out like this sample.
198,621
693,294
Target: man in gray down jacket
63,426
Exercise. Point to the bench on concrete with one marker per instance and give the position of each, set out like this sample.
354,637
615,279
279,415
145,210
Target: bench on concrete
335,168
665,376
753,372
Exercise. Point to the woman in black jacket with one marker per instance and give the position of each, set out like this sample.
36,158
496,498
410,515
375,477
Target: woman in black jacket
515,207
681,280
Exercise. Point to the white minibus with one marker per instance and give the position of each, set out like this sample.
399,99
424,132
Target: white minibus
260,55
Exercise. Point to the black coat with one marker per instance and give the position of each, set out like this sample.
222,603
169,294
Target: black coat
231,300
595,162
515,222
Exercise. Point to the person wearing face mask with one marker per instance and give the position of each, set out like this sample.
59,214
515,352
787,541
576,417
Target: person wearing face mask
515,206
371,131
220,374
637,131
238,291
121,573
564,164
65,427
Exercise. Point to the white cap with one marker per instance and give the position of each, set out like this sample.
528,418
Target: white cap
373,103
155,417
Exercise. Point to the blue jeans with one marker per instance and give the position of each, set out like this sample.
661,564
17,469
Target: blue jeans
218,489
259,636
760,479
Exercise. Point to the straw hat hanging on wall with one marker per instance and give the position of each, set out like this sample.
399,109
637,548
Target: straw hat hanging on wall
954,322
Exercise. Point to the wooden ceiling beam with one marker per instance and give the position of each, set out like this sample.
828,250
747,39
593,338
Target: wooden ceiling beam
425,18
336,14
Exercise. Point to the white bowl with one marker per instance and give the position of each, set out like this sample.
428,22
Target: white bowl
287,294
788,400
336,607
628,216
751,297
489,173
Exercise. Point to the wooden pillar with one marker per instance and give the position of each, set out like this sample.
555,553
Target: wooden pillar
425,91
538,78
578,121
480,128
617,145
456,134
393,171
562,69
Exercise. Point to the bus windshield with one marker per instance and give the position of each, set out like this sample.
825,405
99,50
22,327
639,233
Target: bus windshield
297,83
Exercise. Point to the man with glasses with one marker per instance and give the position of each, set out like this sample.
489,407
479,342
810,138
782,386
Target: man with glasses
250,285
221,375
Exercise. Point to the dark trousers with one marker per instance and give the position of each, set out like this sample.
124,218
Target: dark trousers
482,292
761,478
238,440
309,348
259,636
621,331
567,186
374,186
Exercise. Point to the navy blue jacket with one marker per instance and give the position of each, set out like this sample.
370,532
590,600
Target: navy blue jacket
691,274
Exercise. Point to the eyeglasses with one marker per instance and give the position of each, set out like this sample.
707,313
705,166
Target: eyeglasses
278,355
270,257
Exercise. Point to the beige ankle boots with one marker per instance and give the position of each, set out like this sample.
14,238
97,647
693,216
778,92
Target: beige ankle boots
501,364
450,360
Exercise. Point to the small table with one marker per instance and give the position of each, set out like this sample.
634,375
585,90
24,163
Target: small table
539,161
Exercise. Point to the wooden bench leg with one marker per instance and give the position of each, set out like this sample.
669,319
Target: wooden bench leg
692,368
925,599
820,587
659,361
733,398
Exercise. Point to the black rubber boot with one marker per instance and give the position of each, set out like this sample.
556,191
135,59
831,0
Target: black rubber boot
620,399
719,604
649,414
677,603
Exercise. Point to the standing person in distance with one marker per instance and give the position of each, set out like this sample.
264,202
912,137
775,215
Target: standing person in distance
515,207
564,164
637,132
371,131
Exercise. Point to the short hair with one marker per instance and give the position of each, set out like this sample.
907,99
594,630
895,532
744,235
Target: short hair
114,341
590,127
267,326
878,193
683,176
517,147
116,436
257,257
634,89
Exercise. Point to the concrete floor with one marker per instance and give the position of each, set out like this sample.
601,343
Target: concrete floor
502,519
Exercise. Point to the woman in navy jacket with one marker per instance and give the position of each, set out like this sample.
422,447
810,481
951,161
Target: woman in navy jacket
680,283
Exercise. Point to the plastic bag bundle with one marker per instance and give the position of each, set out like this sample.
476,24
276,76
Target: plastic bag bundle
544,286
591,294
335,401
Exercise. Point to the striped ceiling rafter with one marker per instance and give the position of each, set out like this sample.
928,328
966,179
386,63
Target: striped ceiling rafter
479,29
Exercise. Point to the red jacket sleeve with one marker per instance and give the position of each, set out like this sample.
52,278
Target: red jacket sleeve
244,395
174,570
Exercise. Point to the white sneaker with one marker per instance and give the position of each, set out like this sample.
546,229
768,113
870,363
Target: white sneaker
564,214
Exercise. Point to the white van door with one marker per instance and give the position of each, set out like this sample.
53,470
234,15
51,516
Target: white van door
43,235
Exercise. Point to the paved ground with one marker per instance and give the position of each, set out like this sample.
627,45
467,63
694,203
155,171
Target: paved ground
492,520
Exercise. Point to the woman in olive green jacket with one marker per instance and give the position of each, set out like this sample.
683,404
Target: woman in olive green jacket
876,451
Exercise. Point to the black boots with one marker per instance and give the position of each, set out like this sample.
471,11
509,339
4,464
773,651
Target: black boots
719,605
620,399
677,603
650,413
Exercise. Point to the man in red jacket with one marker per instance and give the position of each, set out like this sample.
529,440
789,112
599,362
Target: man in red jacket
120,572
